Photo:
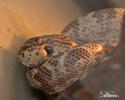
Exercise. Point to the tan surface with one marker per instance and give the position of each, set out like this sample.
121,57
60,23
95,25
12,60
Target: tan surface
21,19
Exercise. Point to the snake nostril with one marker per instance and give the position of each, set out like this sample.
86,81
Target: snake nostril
21,54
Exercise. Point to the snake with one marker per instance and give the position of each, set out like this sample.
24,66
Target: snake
55,62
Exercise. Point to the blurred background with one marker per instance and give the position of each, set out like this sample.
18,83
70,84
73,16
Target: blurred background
22,19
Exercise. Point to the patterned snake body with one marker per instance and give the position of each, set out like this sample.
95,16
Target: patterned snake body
101,26
54,62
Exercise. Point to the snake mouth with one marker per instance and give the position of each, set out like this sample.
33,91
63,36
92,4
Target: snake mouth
30,67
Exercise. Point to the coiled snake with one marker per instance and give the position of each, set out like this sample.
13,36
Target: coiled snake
54,62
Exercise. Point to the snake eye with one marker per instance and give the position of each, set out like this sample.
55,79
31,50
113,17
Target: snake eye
49,49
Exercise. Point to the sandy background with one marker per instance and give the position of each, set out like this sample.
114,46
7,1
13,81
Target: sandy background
22,19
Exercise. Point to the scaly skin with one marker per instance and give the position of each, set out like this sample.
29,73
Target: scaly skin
54,62
56,68
102,26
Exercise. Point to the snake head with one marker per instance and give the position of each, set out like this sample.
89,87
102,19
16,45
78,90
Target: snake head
38,49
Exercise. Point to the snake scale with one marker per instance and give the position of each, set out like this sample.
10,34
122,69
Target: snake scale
54,62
